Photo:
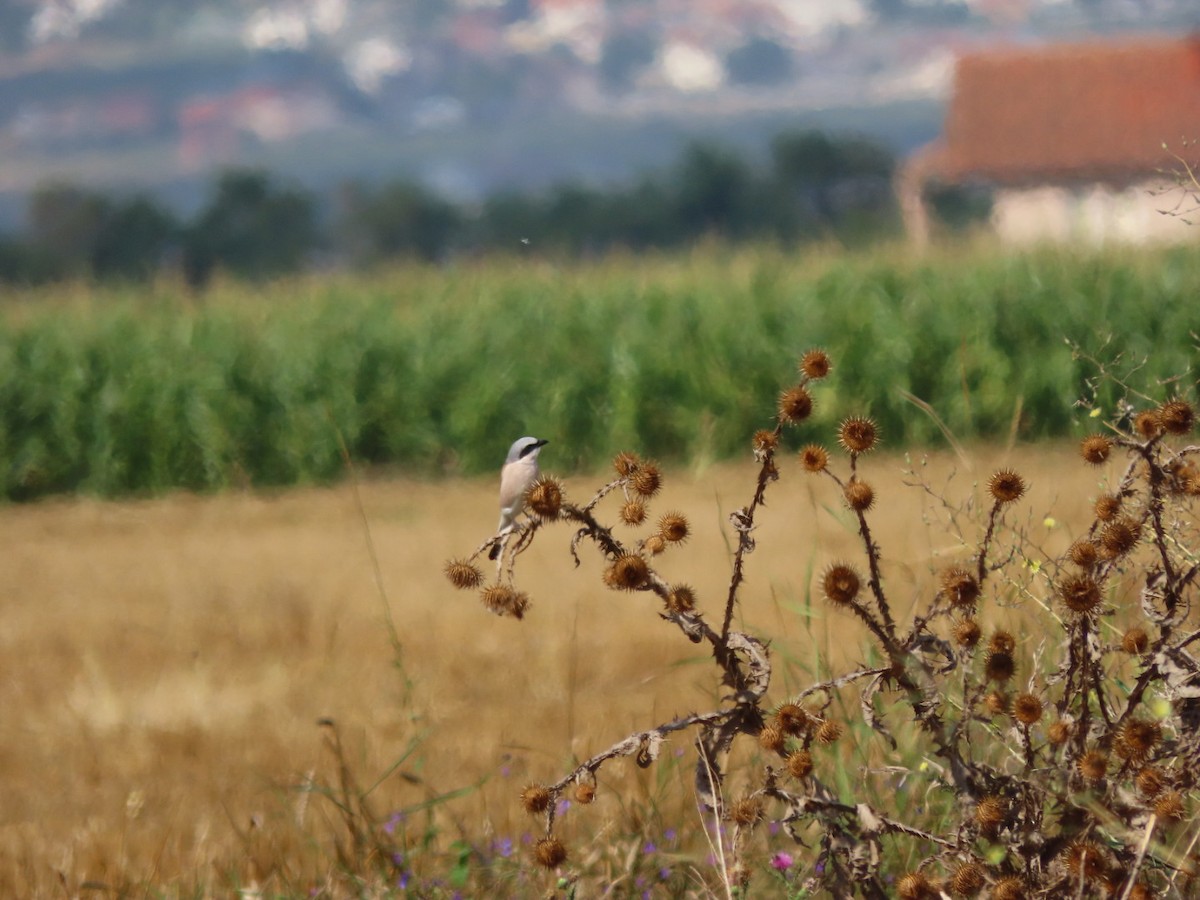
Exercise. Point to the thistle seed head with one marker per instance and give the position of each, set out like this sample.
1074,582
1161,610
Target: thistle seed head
792,719
1119,537
1002,642
463,575
1095,449
1084,553
815,364
772,738
968,879
673,527
1006,486
966,633
859,495
1011,887
647,480
1137,738
915,886
633,512
626,463
857,434
800,764
999,666
1093,765
549,852
814,458
628,572
1169,806
795,405
681,599
765,440
1151,781
1085,860
1027,708
990,813
747,811
536,798
1135,641
1106,507
1079,593
829,732
1177,416
960,587
545,497
505,601
840,584
1058,732
1148,424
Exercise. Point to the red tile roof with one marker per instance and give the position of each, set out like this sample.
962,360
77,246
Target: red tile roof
1097,111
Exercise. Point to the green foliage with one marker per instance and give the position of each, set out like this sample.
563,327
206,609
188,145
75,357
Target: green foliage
439,370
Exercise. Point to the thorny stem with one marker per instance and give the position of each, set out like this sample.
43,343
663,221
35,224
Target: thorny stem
766,472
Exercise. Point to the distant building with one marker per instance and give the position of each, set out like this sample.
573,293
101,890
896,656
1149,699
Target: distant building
1070,138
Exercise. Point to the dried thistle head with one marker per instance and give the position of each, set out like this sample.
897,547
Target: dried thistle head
1136,738
681,599
1084,553
795,405
1085,861
859,495
747,811
829,731
857,434
814,458
1079,593
1148,424
815,364
633,512
626,463
505,601
536,798
1135,641
1151,781
840,584
764,440
968,879
1092,765
772,737
549,853
1095,449
1027,708
1006,486
800,764
1107,507
463,575
1169,807
1059,732
967,633
628,572
1176,416
654,544
545,497
996,702
999,666
792,718
960,586
990,812
1119,537
647,480
1010,887
1002,641
673,527
915,886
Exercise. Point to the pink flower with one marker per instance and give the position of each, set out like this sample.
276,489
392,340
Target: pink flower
781,861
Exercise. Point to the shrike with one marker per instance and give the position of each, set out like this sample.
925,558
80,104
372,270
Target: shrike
519,473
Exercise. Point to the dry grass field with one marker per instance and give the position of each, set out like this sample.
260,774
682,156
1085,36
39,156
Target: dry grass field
165,664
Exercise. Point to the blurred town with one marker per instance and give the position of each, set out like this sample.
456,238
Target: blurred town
467,98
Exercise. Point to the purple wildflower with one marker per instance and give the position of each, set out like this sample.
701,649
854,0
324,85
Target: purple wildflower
781,861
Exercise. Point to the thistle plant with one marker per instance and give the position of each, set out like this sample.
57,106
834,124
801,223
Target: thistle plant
1058,761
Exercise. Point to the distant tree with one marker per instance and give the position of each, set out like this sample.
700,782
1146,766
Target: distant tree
137,234
759,61
64,223
712,188
623,55
401,219
252,227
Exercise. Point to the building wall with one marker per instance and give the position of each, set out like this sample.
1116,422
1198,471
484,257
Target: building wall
1149,212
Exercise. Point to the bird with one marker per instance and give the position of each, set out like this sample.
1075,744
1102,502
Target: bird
518,474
